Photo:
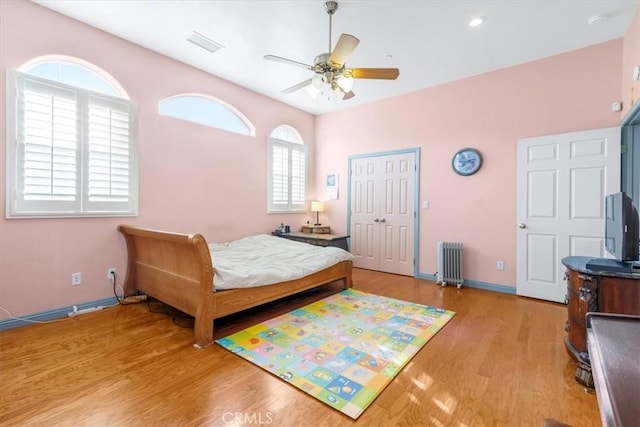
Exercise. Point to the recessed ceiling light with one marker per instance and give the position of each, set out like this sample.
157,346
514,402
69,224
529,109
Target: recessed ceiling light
204,42
596,19
477,21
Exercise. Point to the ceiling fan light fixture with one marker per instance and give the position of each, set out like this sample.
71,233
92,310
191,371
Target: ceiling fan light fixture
345,82
317,81
331,79
313,91
336,93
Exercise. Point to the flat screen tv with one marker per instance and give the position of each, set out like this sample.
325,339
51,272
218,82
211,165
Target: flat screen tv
622,232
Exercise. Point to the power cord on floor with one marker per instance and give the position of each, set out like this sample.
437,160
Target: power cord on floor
133,299
113,279
124,301
11,316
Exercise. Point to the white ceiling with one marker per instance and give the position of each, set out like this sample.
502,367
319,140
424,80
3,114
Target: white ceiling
429,41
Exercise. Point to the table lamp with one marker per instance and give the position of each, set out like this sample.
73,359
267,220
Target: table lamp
317,207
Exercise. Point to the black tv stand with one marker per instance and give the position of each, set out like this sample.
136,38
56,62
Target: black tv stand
613,265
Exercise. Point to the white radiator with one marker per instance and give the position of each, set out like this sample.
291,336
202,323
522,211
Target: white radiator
449,263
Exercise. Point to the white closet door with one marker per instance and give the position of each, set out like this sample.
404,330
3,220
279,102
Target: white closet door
365,194
383,212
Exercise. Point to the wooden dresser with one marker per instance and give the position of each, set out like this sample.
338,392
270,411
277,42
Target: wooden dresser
594,291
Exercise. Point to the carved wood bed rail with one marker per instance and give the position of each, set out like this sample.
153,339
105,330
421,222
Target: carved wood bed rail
177,269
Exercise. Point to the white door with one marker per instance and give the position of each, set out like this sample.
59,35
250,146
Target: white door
562,183
365,221
382,209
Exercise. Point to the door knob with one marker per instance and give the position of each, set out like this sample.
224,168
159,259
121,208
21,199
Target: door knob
383,220
376,220
522,225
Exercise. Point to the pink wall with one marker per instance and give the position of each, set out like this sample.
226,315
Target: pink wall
196,179
563,93
192,178
631,58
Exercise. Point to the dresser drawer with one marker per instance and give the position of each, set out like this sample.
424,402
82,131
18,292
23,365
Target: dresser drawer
576,281
573,306
317,229
582,297
311,241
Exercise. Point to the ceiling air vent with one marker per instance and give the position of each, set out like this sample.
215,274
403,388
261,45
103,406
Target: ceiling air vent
204,42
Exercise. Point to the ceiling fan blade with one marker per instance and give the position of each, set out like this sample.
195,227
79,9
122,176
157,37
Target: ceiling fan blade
348,95
343,50
287,61
297,86
375,73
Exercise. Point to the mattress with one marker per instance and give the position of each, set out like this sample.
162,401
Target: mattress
264,260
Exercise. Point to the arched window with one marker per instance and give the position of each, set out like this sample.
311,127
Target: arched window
287,171
72,148
74,72
208,111
286,133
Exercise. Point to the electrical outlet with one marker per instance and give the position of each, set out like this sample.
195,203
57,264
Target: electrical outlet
500,265
111,273
76,279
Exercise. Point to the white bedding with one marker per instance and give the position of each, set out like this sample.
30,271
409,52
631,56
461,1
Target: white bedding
264,260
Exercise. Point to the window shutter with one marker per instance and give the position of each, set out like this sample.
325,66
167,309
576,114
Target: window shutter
69,151
109,155
287,176
279,175
48,154
298,177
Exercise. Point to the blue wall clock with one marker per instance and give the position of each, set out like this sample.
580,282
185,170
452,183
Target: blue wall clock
466,161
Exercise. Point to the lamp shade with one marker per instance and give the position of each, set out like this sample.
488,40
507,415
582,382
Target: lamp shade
317,206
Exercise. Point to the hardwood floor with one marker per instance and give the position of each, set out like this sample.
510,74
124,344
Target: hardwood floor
500,362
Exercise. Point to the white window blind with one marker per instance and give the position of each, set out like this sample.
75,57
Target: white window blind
49,151
287,176
109,154
280,175
70,151
298,176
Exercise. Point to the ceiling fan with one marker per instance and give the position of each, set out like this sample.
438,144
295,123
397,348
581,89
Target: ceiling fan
332,78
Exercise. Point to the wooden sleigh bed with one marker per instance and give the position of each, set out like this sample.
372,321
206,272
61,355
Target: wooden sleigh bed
177,269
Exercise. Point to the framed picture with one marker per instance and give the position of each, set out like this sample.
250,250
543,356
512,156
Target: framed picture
332,187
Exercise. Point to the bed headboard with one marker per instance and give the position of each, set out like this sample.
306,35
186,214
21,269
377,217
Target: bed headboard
182,261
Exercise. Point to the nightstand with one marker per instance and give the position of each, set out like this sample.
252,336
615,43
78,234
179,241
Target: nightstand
318,239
